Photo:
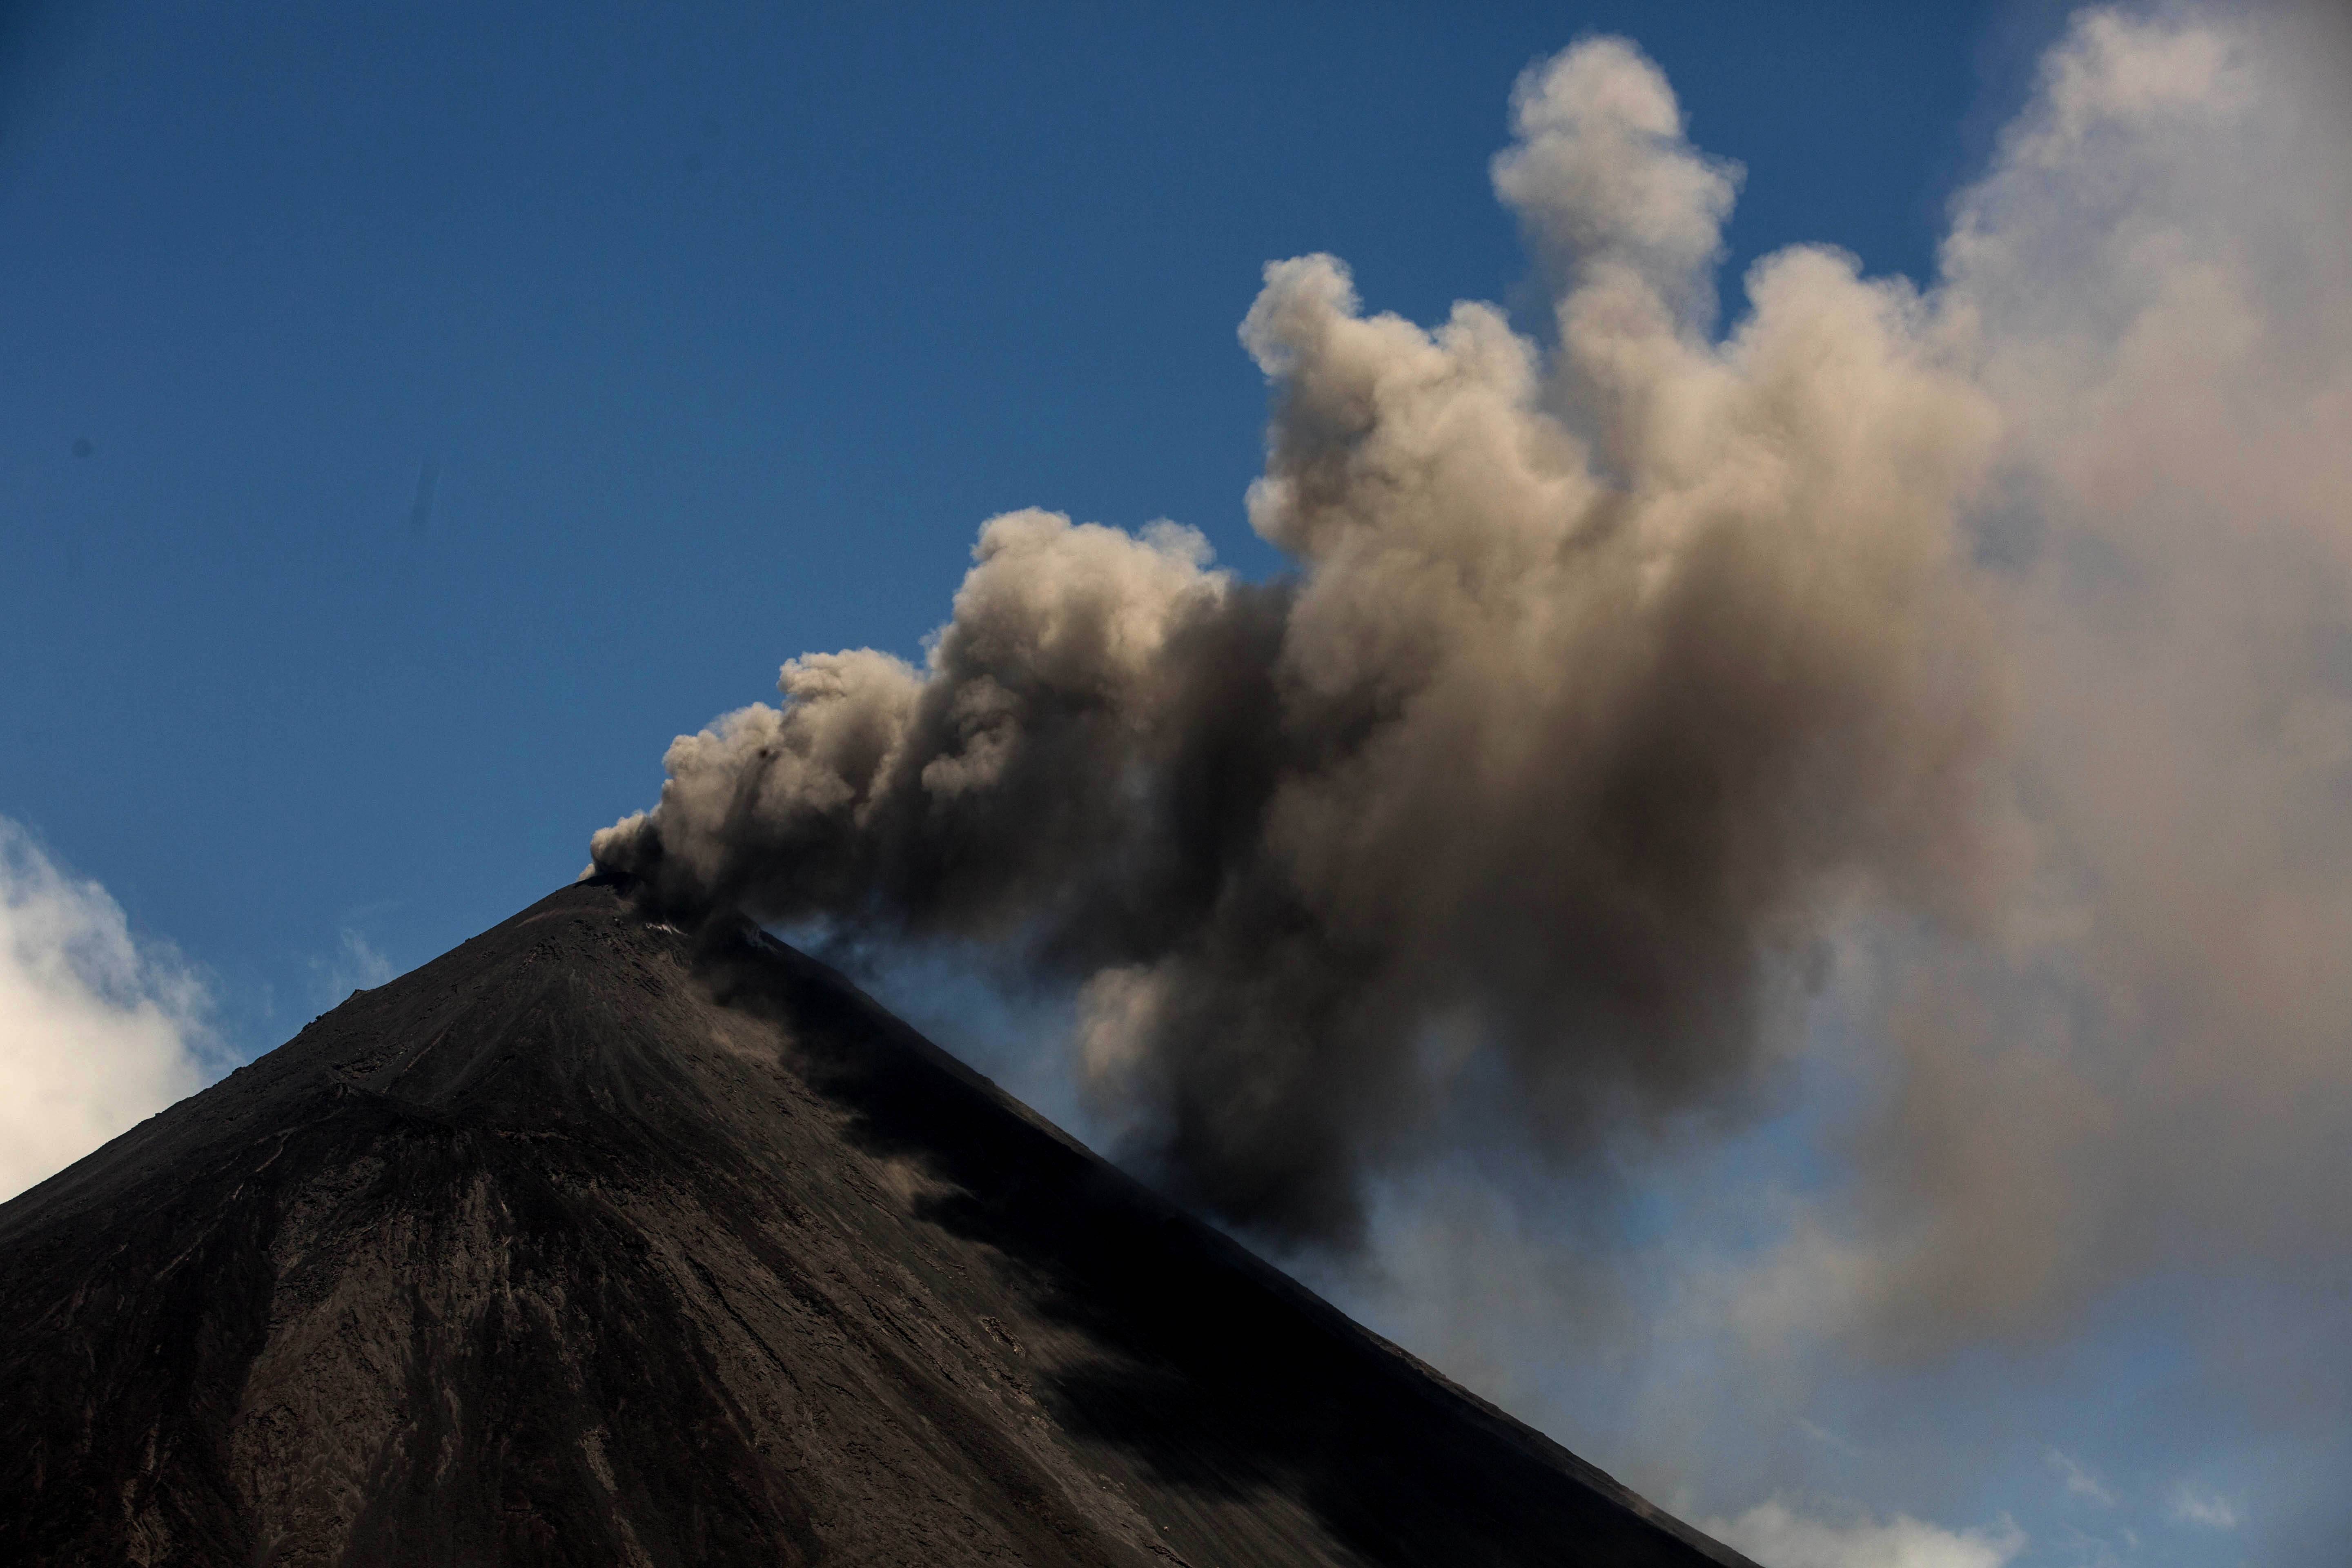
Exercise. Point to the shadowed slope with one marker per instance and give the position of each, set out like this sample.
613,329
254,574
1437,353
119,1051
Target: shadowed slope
591,1243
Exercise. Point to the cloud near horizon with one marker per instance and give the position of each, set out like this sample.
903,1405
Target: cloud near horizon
1773,1533
98,1029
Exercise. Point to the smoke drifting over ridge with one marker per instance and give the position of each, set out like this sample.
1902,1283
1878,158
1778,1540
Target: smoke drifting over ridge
1619,677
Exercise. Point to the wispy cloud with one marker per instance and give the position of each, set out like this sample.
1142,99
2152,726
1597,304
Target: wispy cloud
2193,1505
2091,1551
2079,1481
1828,1438
354,965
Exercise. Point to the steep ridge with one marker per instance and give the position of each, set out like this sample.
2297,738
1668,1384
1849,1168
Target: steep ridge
592,1242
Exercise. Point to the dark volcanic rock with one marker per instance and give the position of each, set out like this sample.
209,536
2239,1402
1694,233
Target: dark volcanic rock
591,1243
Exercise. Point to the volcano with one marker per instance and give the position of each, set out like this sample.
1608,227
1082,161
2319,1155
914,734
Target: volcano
598,1242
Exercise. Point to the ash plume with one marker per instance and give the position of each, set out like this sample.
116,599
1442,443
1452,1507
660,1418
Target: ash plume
1970,664
1608,677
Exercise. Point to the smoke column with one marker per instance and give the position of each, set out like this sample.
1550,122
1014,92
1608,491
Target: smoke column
1993,638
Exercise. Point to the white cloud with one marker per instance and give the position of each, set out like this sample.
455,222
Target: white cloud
2192,1505
1777,1537
2079,1481
98,1029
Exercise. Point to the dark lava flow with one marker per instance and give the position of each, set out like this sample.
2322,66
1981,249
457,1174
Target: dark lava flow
592,1242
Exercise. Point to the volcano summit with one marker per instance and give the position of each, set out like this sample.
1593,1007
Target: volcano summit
594,1242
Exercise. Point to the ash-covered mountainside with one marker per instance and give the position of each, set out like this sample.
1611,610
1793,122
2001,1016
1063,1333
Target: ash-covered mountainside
594,1242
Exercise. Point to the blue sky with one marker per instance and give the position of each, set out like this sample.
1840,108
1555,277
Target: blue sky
413,417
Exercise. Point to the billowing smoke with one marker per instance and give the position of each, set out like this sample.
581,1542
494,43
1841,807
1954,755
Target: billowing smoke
1603,677
1984,651
2148,1069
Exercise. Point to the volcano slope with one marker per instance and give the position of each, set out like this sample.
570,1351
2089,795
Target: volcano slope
592,1242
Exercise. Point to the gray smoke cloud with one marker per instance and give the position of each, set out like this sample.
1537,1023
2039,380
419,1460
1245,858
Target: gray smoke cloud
2146,1065
1977,661
1606,679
